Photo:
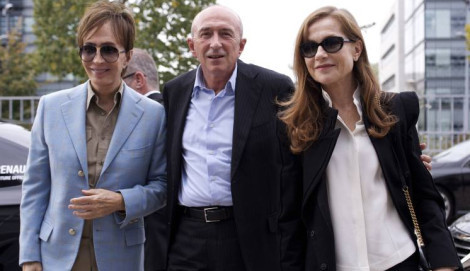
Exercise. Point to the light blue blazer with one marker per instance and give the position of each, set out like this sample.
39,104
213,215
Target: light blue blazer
57,171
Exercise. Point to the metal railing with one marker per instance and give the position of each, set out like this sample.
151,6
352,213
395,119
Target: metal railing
439,141
18,109
22,110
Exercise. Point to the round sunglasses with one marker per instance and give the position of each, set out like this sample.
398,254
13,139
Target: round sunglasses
109,53
330,45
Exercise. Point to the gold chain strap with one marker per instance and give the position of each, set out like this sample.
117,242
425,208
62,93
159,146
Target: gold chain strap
413,216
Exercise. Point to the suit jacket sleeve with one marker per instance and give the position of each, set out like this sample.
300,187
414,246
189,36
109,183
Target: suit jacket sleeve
290,224
141,200
429,206
35,191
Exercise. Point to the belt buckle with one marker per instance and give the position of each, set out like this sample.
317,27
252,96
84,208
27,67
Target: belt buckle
205,214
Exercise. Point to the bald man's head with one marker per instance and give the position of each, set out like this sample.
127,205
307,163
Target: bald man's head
222,11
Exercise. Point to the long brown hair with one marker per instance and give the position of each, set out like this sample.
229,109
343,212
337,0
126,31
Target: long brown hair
304,112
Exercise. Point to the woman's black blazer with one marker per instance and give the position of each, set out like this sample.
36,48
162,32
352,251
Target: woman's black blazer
399,157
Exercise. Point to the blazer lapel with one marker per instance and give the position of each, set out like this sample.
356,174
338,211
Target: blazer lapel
247,95
129,115
317,156
73,112
178,110
388,160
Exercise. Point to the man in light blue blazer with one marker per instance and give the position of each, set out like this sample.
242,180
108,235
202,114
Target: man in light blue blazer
57,172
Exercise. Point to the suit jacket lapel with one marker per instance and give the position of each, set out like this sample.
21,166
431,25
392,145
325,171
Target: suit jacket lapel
129,115
177,120
73,112
317,156
247,95
388,160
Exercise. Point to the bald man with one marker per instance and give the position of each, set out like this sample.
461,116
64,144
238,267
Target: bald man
234,188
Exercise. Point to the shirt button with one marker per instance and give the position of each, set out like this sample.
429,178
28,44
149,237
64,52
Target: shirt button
312,233
72,232
81,173
211,152
323,266
211,125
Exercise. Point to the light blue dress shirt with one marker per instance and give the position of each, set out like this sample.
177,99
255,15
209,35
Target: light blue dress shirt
207,145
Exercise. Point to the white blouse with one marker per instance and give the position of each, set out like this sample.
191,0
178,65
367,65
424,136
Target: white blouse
369,234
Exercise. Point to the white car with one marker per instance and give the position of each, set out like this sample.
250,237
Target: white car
14,146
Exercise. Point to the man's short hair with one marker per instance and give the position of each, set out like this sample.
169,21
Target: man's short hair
142,61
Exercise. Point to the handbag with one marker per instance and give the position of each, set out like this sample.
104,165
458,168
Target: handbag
423,262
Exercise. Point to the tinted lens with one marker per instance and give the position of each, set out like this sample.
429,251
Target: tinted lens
109,53
332,44
87,53
309,49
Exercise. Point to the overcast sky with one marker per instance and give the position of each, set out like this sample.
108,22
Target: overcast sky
270,27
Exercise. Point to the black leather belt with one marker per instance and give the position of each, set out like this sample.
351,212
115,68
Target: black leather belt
208,214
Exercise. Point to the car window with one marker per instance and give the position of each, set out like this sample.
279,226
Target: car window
454,154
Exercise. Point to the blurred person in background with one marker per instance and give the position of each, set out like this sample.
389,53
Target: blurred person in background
142,76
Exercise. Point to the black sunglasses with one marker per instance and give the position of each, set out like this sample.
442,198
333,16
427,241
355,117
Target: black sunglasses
330,45
109,53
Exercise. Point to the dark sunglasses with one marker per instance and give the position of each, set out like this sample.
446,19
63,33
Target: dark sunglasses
330,45
109,53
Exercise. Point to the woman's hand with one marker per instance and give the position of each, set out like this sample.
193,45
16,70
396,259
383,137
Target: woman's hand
426,159
97,203
32,266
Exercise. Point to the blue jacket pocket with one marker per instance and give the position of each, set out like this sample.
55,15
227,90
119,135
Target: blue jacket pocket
46,230
135,236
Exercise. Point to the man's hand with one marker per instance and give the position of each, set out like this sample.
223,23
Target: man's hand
32,266
426,159
97,203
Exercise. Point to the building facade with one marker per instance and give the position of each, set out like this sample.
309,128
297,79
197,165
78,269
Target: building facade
423,50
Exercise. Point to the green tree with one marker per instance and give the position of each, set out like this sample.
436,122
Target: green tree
163,26
16,68
55,28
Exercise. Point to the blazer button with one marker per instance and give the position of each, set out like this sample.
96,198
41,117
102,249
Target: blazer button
312,234
80,173
72,232
323,266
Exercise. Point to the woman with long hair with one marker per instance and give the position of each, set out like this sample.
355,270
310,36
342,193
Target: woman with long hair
361,157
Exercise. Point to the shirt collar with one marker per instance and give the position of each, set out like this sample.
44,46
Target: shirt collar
151,92
91,94
356,99
199,82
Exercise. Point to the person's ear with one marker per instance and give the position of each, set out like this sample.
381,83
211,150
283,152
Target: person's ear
242,46
139,78
190,43
358,46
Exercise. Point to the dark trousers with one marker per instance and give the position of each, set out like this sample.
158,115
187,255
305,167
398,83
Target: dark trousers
410,264
205,246
156,240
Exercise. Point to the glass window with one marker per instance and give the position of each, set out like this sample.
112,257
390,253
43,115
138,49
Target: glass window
437,23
